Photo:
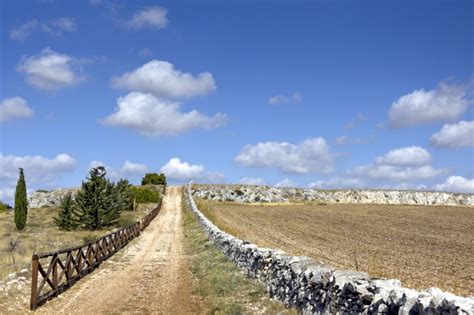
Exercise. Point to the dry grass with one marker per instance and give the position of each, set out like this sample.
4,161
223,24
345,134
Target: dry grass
423,246
42,235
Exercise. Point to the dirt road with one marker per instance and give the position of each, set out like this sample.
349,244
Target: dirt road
149,276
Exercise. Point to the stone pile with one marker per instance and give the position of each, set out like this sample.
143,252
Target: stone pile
315,288
252,194
14,281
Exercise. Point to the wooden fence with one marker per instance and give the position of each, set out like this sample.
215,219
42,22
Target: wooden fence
55,272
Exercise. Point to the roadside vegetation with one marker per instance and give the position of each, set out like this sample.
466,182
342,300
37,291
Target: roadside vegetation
224,288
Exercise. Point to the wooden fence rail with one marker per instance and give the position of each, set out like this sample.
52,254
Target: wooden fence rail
55,272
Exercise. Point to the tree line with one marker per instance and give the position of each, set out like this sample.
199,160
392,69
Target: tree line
97,204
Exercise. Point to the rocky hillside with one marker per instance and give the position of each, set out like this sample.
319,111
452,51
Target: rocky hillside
250,194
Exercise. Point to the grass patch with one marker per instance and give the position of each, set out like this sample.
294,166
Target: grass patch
223,286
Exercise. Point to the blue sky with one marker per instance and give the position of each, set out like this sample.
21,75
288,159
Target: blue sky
340,94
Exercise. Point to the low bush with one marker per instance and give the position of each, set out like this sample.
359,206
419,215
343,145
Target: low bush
4,207
145,195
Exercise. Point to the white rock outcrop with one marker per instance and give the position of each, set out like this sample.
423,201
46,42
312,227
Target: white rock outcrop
53,198
252,194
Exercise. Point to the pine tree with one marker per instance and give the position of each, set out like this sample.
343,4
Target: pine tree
21,202
66,219
124,194
99,202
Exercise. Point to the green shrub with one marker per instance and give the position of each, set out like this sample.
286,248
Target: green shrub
42,190
154,179
145,195
65,219
4,207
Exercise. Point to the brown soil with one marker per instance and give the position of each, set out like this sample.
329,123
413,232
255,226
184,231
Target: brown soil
423,246
150,276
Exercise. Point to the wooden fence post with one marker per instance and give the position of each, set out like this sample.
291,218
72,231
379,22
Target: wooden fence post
34,282
55,273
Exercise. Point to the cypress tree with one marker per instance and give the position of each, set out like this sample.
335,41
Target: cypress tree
21,202
66,219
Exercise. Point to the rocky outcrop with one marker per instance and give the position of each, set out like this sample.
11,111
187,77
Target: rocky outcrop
316,288
53,198
251,194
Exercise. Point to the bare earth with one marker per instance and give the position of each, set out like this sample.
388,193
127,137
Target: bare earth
149,276
423,246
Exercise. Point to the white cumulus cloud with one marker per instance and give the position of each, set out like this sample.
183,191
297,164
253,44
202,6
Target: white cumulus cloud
457,184
252,181
37,169
397,173
13,108
445,103
128,170
456,135
182,171
50,70
161,79
407,156
308,156
151,17
152,116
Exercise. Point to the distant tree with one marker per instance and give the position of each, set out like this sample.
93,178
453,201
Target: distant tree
154,179
21,202
66,219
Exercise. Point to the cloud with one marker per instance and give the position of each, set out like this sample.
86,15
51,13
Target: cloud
59,26
13,108
407,156
38,169
162,80
457,184
286,183
397,173
23,31
55,27
7,194
182,171
128,170
295,98
153,116
339,183
252,181
50,70
456,135
405,164
445,103
152,17
358,120
310,156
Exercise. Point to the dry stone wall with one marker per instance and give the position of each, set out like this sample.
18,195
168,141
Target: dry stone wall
251,194
316,288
